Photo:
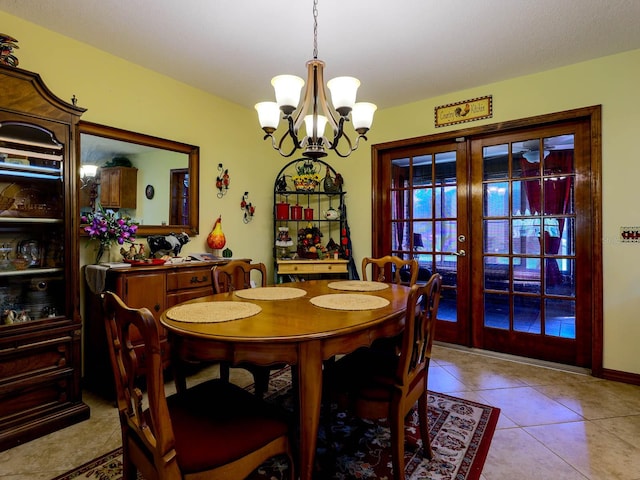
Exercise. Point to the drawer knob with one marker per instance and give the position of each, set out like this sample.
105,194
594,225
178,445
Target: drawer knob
156,307
199,280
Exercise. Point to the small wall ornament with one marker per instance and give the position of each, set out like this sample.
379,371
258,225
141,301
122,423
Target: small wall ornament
248,209
222,181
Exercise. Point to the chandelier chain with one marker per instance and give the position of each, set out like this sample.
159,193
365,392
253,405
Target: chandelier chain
315,29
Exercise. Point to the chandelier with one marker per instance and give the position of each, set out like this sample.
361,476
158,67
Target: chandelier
315,111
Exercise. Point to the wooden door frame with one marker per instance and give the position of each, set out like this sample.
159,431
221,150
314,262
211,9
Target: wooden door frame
592,115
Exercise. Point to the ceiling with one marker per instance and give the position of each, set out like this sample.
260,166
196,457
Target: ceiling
402,51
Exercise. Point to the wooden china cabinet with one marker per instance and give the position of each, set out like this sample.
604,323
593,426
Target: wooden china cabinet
40,325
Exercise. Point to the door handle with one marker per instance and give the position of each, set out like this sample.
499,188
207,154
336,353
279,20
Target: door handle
461,253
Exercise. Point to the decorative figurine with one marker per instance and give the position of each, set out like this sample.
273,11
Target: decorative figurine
281,184
160,245
216,239
7,44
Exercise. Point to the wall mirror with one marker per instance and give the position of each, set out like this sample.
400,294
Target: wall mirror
153,180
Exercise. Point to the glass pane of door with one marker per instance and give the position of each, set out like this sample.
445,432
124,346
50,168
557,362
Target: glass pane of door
425,225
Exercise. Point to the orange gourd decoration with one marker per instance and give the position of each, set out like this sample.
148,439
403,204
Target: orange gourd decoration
216,239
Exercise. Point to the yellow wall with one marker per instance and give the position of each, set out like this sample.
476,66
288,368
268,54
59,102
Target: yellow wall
124,95
127,96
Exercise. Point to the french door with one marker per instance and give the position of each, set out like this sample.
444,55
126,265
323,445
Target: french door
530,280
510,221
428,221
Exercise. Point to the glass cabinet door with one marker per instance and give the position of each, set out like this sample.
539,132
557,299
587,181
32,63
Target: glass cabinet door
32,205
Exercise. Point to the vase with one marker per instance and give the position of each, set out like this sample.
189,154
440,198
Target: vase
100,252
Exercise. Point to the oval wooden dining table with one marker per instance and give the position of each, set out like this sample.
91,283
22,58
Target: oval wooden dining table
292,331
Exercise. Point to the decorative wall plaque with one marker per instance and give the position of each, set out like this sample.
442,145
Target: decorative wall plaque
465,111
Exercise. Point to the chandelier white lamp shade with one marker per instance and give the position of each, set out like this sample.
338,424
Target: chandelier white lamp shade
315,111
88,171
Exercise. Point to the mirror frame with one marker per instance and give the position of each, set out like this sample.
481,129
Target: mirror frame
139,138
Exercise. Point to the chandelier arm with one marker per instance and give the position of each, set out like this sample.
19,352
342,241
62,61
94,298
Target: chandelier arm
289,132
338,134
334,146
292,131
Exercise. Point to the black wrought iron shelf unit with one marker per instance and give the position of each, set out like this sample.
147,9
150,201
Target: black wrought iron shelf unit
310,218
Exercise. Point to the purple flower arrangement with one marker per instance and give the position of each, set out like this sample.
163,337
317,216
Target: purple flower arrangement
108,227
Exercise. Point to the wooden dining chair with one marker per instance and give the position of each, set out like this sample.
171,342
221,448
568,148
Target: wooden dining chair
236,275
376,384
215,430
380,266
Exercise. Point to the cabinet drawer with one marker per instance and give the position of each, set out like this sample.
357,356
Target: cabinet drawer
29,398
21,359
35,374
310,267
189,278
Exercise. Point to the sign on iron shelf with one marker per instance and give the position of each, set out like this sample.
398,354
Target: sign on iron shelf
465,111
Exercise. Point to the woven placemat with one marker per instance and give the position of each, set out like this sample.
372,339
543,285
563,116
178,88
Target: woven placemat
358,285
270,293
349,301
212,312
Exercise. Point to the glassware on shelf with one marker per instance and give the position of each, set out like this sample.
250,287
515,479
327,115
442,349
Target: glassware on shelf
5,262
283,242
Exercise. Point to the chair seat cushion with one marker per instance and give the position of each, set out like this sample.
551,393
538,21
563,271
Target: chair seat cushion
217,422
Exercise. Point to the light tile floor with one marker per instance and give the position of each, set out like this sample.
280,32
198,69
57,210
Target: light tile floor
554,424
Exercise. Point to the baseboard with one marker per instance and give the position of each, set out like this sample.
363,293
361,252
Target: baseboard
607,374
515,358
618,376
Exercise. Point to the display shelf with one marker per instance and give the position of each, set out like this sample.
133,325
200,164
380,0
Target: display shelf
40,325
314,218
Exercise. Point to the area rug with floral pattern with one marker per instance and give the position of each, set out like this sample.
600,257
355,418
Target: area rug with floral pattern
461,433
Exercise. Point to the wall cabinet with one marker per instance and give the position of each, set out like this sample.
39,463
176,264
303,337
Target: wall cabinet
156,288
40,326
118,187
310,222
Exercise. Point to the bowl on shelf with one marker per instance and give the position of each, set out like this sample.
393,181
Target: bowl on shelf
20,263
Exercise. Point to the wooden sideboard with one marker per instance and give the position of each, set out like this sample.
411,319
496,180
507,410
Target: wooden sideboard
154,287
